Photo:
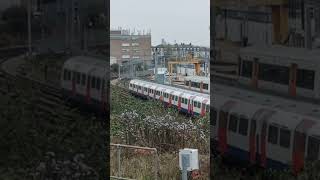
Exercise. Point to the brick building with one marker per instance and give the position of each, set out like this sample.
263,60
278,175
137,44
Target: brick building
126,47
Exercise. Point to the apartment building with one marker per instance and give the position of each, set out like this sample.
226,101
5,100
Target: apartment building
126,47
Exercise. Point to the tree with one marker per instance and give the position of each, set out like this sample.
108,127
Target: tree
115,68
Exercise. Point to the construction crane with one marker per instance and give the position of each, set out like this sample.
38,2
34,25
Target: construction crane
189,60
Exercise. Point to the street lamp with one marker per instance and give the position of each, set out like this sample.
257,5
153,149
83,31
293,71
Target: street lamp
29,28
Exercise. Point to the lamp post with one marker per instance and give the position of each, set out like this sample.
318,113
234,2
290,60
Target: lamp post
29,29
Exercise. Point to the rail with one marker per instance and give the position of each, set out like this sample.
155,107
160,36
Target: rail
119,146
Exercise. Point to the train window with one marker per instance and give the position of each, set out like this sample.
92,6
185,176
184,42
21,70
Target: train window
145,89
243,126
73,75
93,82
195,104
78,77
65,74
305,79
207,108
197,85
199,105
69,75
233,123
98,84
285,138
214,119
83,79
176,98
246,69
313,148
273,135
187,83
205,86
274,73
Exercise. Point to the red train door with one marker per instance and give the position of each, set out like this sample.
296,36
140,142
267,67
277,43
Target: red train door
222,129
263,145
299,144
203,108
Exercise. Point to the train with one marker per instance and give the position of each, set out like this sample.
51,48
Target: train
186,101
264,130
198,83
286,70
84,81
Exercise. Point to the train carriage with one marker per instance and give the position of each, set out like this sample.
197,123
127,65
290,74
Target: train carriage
265,130
186,101
286,70
198,83
84,80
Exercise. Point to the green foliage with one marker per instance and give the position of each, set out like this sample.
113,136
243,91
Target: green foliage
28,133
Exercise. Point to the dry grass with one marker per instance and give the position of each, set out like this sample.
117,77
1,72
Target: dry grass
138,166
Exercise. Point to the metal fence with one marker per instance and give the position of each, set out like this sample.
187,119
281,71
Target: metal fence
120,146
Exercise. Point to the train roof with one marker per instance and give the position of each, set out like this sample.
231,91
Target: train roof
161,86
87,64
283,52
311,110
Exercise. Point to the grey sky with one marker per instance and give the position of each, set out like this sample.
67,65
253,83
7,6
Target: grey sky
181,20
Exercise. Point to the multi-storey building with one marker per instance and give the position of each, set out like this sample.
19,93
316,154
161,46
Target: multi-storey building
127,47
181,51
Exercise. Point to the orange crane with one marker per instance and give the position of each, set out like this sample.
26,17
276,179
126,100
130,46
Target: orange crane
189,60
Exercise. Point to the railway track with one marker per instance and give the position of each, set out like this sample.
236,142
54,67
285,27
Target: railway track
48,98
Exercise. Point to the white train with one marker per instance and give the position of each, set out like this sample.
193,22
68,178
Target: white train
287,70
185,100
264,130
84,80
198,83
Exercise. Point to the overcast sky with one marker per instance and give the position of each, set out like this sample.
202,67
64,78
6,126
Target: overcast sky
182,20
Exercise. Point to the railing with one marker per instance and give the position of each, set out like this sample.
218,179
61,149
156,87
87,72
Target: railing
119,146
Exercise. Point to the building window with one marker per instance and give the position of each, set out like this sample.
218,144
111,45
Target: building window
246,69
135,44
233,123
135,57
273,135
285,138
125,50
125,56
305,79
125,44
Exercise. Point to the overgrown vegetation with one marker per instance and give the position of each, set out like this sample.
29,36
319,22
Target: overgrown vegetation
54,144
149,123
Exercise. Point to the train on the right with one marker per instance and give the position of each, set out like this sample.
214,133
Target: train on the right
270,115
286,70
